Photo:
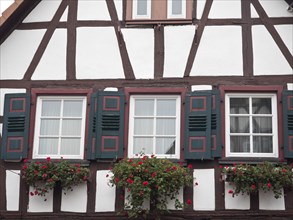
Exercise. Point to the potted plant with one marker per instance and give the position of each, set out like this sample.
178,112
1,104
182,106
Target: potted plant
150,179
247,179
45,175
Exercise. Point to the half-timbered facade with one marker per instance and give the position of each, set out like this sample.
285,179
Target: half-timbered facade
205,82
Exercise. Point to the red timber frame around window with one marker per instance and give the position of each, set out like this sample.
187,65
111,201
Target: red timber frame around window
55,92
277,89
154,91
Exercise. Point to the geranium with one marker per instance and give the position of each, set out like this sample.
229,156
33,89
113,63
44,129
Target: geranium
44,176
161,183
247,179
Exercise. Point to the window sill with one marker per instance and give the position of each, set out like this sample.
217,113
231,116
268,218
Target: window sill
153,22
249,160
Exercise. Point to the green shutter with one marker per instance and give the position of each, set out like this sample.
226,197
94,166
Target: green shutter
288,123
110,125
216,141
197,143
15,126
92,128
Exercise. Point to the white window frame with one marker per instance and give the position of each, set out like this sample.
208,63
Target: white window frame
38,124
169,9
177,125
274,115
134,10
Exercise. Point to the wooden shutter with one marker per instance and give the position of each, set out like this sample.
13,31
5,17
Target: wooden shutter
288,123
15,126
216,139
110,125
92,128
197,141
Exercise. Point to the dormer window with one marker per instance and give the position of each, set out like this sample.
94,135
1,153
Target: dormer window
154,11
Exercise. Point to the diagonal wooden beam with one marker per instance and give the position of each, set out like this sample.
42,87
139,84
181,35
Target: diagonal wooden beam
197,37
71,40
128,71
247,49
159,51
272,30
45,40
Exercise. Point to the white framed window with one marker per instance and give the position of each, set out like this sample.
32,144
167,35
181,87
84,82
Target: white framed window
176,8
251,125
141,9
154,125
60,127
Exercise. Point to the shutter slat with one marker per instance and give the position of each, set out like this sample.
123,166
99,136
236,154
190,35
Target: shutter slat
287,100
216,124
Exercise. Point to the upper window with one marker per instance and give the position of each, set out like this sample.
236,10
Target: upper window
251,125
154,126
158,11
60,127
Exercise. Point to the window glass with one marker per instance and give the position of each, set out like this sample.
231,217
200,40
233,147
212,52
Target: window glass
177,7
154,125
60,127
141,7
251,120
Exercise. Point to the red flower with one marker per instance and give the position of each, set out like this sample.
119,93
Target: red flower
50,180
146,171
189,166
44,167
157,186
38,162
174,168
133,164
78,170
130,160
48,159
107,175
25,160
167,170
36,192
129,180
145,183
234,169
32,194
221,167
116,179
139,163
180,163
269,185
45,175
154,174
189,202
84,178
230,191
144,157
128,189
284,171
152,156
78,165
253,186
24,167
196,183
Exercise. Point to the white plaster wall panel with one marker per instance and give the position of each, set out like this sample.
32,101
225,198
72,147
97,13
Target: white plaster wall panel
145,204
290,86
201,87
178,41
253,12
206,183
219,52
171,203
119,8
199,8
97,54
17,51
75,200
105,194
65,15
275,8
7,91
267,57
267,201
12,190
241,202
44,11
92,10
140,47
225,9
286,33
53,62
40,203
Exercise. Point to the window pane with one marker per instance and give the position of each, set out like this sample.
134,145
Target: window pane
48,146
166,126
166,107
165,146
143,126
262,144
240,144
71,127
142,7
239,106
262,125
51,108
239,124
261,106
49,127
144,107
70,146
176,7
72,108
143,145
